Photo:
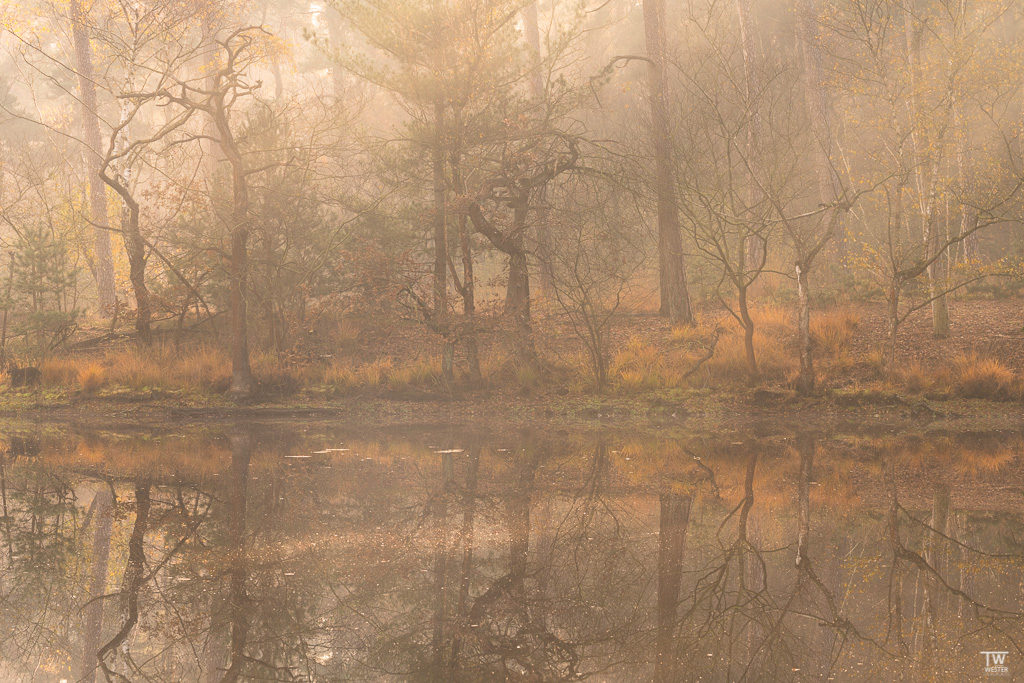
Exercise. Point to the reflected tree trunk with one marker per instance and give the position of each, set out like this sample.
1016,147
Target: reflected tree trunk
441,549
134,575
935,556
92,623
672,526
467,538
242,446
896,572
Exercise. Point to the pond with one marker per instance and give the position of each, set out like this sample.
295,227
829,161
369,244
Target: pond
309,552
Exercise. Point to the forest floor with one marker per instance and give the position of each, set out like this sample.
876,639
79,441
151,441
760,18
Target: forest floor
645,389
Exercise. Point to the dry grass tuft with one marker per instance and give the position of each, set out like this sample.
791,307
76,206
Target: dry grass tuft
833,331
341,377
527,376
979,377
92,377
373,374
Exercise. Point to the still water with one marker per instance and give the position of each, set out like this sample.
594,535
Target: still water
310,553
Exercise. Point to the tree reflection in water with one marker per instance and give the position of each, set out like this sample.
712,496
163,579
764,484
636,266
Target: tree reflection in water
264,554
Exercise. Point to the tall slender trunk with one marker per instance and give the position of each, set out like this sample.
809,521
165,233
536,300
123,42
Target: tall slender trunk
805,446
805,380
104,265
818,110
755,194
441,246
892,323
675,297
468,287
335,34
242,383
517,297
531,29
965,176
673,522
927,175
136,250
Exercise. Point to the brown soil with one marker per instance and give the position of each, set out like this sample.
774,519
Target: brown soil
985,326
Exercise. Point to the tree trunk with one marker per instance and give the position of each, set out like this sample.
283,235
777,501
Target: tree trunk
675,517
965,175
531,30
818,111
893,323
468,289
242,384
104,266
675,297
934,556
927,177
756,245
805,380
135,249
753,375
517,298
441,246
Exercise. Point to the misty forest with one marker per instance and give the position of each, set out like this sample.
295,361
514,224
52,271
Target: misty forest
511,340
428,197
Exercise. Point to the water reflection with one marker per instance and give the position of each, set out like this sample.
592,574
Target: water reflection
260,553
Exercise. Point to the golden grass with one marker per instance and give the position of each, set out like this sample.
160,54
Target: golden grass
774,360
421,373
136,369
527,376
92,377
203,367
341,377
976,376
58,372
374,373
833,330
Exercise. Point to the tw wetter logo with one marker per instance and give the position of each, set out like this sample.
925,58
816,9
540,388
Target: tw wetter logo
995,663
